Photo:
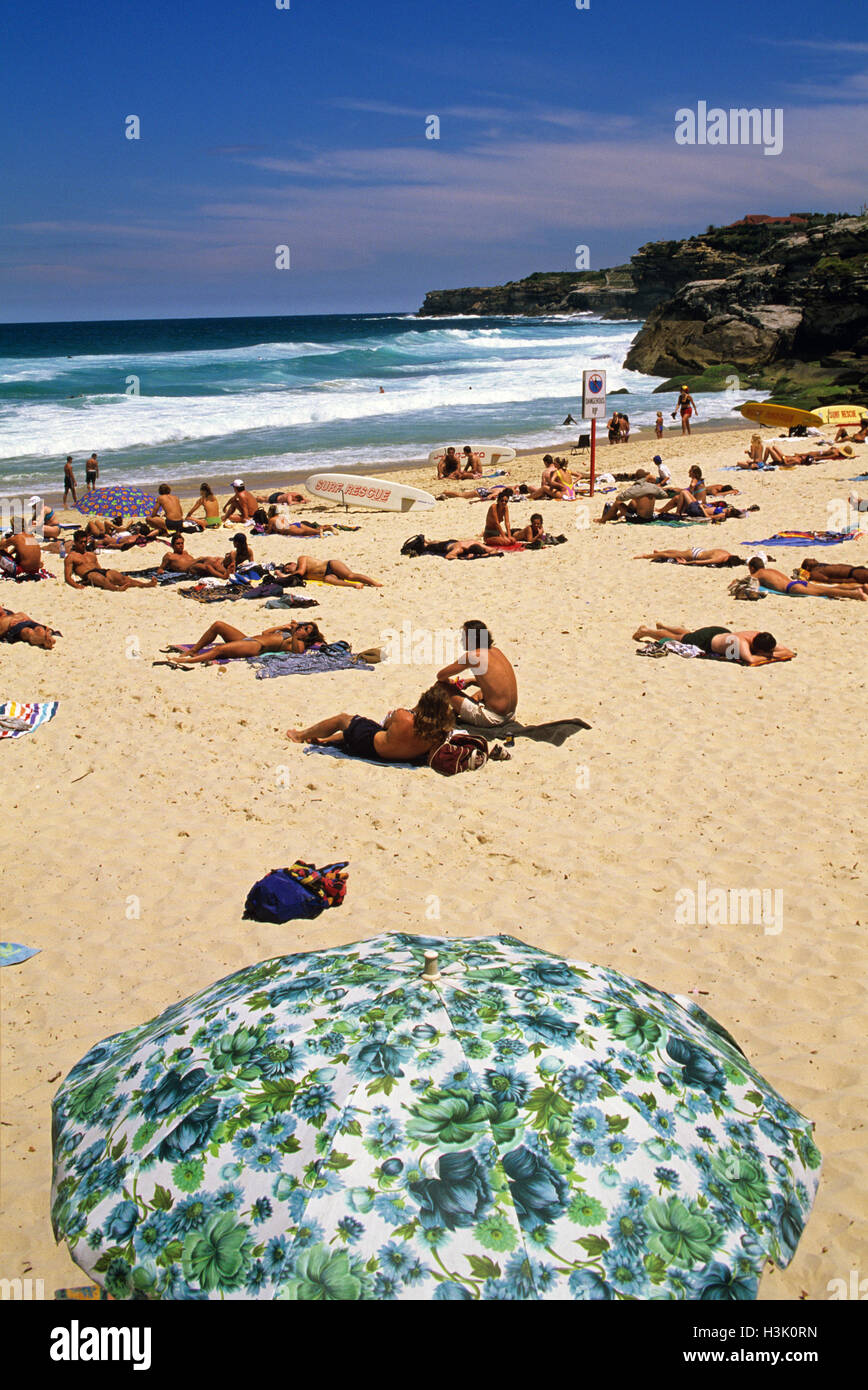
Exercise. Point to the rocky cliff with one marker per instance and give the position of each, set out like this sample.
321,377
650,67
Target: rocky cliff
782,303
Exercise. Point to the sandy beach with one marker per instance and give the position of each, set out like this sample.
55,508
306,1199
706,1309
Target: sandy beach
139,817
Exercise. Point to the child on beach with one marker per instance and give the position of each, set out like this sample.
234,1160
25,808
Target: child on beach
658,425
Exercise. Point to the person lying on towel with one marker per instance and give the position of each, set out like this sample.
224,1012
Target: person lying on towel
405,736
748,648
294,637
802,588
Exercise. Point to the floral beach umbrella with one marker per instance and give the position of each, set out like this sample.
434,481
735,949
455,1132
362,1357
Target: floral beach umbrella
111,501
337,1125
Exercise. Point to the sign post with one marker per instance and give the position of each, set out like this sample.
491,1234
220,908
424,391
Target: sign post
593,409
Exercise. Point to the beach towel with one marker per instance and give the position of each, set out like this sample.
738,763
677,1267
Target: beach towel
668,646
333,656
11,953
332,751
162,576
84,1293
808,538
17,719
292,601
556,731
10,569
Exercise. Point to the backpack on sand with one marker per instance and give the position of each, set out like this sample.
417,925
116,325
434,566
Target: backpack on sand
460,753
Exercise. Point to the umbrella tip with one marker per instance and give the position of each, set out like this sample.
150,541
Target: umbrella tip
430,972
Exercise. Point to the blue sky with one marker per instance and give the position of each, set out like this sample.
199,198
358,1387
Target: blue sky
306,127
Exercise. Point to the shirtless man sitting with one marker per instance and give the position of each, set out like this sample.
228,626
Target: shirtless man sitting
636,502
242,504
472,463
18,627
23,551
82,563
404,735
180,561
491,673
449,464
802,588
328,571
173,513
747,648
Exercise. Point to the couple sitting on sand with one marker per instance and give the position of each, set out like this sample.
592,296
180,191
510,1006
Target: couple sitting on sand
411,735
636,503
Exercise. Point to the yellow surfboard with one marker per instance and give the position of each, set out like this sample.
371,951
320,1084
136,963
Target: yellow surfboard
767,413
841,414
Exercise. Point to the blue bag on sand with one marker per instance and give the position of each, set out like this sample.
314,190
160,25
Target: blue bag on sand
279,897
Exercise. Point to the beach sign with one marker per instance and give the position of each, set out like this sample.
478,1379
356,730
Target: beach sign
593,395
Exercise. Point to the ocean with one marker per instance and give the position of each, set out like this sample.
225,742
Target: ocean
191,399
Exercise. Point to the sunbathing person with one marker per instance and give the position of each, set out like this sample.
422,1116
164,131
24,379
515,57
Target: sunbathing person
18,627
404,735
279,524
792,460
242,504
471,463
449,464
240,554
802,588
328,571
488,494
491,673
860,436
823,573
711,559
471,549
532,533
635,503
83,563
210,507
44,519
179,561
294,638
282,499
748,648
173,513
23,551
497,529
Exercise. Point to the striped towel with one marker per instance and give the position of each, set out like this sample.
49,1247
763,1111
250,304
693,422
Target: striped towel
17,719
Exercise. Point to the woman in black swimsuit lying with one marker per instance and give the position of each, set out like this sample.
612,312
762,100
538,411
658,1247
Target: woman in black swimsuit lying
17,627
296,638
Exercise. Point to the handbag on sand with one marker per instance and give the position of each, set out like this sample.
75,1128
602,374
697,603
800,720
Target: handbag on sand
459,753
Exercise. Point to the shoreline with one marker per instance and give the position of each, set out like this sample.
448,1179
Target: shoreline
272,480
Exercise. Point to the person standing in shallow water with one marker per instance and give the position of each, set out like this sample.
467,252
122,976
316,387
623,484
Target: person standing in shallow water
69,481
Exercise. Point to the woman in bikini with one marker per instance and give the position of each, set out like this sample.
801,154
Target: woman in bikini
17,627
210,506
328,571
497,529
712,559
241,554
278,524
295,639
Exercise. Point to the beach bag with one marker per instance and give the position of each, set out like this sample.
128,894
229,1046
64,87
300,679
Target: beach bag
460,753
301,891
745,588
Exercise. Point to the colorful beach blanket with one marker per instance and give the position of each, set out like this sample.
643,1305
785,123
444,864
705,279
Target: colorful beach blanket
17,719
9,569
11,953
334,656
808,538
